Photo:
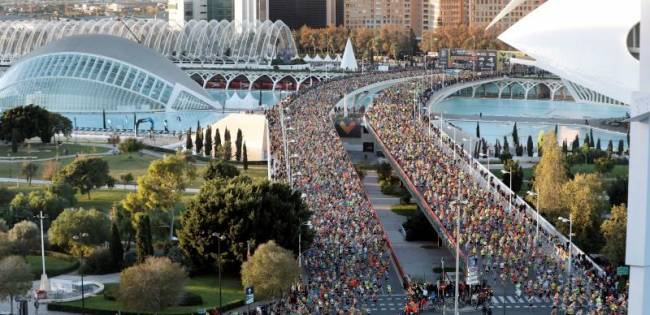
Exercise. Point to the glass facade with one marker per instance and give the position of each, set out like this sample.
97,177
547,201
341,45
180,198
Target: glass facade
78,82
221,10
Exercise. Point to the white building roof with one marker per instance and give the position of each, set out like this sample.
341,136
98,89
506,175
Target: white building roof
586,43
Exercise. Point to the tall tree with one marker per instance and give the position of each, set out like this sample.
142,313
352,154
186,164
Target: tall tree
517,173
587,141
621,148
188,140
198,141
610,147
217,142
115,246
166,277
506,146
143,239
550,174
585,198
25,237
614,230
565,147
243,210
598,147
15,278
591,137
575,145
515,135
238,143
478,130
207,146
226,135
272,270
227,150
85,174
245,157
529,146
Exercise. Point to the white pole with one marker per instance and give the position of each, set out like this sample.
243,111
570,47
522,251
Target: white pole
637,255
537,217
45,283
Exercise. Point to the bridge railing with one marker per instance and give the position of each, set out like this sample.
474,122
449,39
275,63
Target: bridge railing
433,218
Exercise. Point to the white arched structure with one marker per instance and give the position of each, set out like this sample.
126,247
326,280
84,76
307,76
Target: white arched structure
200,42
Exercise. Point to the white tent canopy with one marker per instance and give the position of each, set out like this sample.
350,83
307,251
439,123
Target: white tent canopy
349,61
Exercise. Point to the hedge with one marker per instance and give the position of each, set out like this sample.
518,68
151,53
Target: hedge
55,307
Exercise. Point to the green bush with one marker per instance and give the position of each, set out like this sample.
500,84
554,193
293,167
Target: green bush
111,292
99,262
130,145
190,299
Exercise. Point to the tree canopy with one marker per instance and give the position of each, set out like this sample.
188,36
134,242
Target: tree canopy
242,210
15,277
550,175
585,200
220,169
614,230
271,270
85,174
73,222
25,122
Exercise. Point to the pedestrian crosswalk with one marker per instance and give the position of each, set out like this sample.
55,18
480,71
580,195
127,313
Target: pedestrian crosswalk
512,301
386,303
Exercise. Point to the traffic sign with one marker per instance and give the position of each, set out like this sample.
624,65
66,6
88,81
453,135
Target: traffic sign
472,276
250,296
623,271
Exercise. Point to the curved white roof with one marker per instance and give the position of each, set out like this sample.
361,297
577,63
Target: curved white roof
122,50
586,43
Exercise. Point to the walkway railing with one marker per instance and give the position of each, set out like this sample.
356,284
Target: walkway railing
419,198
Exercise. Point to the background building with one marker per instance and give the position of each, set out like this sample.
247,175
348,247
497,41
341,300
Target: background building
418,15
313,13
481,12
181,11
454,12
251,10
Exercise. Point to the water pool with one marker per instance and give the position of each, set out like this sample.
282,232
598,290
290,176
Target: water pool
528,108
182,120
492,131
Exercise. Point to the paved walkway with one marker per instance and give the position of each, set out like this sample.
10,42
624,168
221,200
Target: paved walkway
417,258
47,182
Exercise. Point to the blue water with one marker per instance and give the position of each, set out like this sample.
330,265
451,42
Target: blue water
528,108
497,130
182,120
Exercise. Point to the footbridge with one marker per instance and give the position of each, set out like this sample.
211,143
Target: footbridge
259,79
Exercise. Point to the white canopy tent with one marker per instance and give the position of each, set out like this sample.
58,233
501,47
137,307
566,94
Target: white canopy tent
349,61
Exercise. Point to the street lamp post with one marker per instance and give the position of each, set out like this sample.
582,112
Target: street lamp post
45,283
453,140
570,221
79,239
220,237
307,224
536,195
457,203
509,187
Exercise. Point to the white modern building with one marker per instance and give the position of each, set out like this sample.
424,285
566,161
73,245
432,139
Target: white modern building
91,73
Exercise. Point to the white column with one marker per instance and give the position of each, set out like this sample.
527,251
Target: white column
638,223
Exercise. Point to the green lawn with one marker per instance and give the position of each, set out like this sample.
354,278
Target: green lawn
205,286
618,171
41,151
54,265
404,210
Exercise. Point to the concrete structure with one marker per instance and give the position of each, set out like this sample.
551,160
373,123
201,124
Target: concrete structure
253,127
91,73
196,42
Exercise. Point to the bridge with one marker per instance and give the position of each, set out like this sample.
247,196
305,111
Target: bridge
525,88
292,80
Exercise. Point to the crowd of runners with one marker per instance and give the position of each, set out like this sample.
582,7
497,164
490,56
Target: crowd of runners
500,237
348,263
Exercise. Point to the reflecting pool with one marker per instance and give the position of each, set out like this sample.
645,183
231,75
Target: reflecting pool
528,108
492,131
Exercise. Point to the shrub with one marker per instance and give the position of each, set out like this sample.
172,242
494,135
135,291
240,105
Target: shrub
130,145
99,262
190,299
111,292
